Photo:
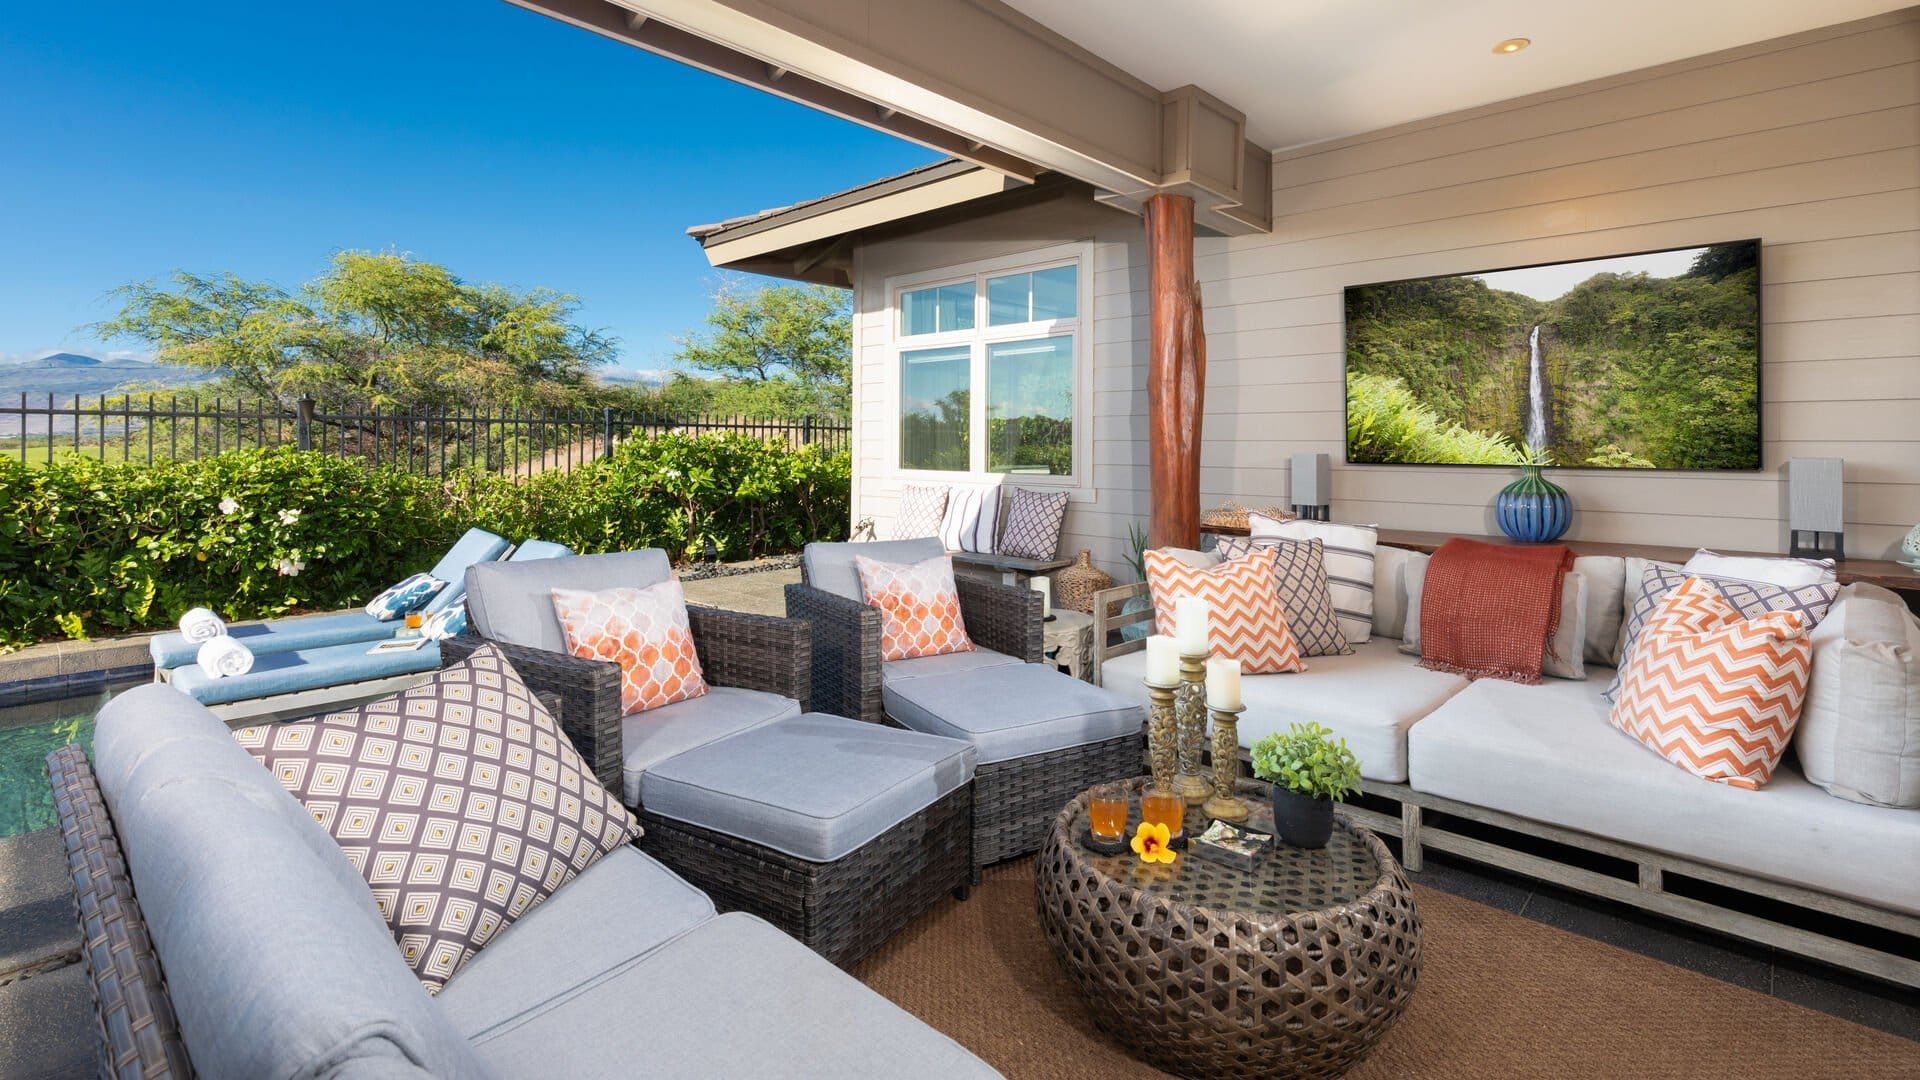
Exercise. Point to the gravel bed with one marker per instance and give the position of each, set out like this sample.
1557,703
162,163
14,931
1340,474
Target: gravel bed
701,571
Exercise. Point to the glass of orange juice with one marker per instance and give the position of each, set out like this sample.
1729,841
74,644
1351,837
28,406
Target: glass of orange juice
1163,806
1107,811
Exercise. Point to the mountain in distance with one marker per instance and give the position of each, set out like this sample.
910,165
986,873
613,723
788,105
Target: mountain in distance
631,376
67,375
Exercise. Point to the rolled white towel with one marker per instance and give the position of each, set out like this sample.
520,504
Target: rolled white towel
201,625
223,658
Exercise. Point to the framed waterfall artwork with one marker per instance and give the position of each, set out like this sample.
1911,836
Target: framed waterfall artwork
1641,361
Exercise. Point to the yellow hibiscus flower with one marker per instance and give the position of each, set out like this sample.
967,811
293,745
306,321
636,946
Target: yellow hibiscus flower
1151,841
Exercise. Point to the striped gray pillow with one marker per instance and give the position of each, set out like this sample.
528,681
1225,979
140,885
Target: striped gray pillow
1300,577
1349,557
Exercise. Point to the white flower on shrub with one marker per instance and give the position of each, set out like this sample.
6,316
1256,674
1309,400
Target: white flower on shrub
228,506
291,565
288,517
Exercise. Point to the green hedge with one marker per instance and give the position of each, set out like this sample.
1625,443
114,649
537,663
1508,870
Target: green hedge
90,548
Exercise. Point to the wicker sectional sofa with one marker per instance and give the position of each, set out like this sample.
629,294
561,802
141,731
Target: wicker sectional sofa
1534,779
226,935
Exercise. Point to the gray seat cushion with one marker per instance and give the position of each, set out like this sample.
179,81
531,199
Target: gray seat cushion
277,961
814,786
732,998
650,737
570,942
1547,752
944,664
1012,711
829,567
513,601
1370,698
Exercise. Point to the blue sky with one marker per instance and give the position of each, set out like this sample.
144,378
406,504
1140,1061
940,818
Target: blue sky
259,138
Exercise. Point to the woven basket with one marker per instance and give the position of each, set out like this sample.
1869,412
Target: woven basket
1231,515
1073,588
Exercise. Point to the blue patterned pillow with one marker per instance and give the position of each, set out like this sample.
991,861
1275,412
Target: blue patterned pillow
410,595
450,621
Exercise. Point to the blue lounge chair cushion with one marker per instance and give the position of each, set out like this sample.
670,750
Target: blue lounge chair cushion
477,546
530,550
305,669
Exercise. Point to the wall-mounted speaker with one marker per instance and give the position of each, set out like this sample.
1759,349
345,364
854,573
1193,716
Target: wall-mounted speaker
1815,519
1311,485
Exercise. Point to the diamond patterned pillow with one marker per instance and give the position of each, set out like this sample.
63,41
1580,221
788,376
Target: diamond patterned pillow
1749,598
1247,623
1713,692
922,508
459,800
1300,575
1033,523
645,631
919,607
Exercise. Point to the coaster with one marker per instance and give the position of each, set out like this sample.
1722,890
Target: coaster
1104,847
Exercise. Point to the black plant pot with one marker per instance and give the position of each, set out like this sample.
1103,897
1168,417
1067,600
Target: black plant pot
1302,820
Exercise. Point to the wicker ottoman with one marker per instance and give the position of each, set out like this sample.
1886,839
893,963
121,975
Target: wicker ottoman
837,832
1295,968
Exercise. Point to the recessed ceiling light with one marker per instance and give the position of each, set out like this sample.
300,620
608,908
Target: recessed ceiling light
1512,45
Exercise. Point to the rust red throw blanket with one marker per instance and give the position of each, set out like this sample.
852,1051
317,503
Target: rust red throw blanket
1488,609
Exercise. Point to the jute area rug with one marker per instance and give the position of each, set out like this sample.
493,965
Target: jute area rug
1499,996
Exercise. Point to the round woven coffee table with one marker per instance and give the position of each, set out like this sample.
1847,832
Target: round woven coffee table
1294,968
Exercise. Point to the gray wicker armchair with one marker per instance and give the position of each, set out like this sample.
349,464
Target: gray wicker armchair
1013,800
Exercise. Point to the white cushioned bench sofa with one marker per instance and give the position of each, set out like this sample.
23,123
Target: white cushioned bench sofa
1534,779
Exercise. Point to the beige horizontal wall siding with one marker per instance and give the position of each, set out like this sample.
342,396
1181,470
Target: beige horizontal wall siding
1811,144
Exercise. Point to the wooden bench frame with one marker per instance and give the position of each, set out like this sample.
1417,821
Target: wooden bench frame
1490,837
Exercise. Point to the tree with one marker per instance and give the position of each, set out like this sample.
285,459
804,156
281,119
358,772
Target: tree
374,330
800,335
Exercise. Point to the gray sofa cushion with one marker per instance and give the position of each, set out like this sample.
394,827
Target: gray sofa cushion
814,786
916,667
276,963
1013,711
513,602
1546,752
1369,698
570,941
650,737
732,998
829,567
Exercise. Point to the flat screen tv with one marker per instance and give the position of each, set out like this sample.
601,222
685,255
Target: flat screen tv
1644,361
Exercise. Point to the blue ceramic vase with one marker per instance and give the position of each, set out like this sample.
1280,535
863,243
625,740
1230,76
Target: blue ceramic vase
1533,509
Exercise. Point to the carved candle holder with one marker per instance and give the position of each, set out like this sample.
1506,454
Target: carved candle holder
1223,804
1162,732
1191,721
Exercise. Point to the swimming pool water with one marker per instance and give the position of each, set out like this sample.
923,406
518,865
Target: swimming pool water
28,733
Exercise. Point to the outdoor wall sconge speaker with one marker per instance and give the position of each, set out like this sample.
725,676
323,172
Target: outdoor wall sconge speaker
1311,486
1814,515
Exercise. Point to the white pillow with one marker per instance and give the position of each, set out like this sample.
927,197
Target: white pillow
1788,573
1390,589
1606,604
1349,557
973,514
1859,733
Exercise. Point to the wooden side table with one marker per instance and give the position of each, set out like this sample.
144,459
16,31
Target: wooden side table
1068,642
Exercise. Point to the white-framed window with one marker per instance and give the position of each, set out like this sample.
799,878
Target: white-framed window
993,369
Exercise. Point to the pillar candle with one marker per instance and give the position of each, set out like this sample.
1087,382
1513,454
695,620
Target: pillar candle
1044,586
1223,684
1192,625
1163,660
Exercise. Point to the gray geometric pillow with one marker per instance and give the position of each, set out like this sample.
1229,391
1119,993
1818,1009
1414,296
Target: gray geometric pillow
1033,523
922,507
1749,598
1300,577
459,800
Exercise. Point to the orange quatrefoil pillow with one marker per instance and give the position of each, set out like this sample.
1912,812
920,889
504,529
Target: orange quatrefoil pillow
1711,691
645,631
919,607
1249,623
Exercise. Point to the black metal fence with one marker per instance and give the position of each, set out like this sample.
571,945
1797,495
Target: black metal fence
150,428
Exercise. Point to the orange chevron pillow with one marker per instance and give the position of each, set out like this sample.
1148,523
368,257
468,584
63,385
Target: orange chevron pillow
1249,624
1714,693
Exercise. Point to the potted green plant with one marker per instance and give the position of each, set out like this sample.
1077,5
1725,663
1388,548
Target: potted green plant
1309,771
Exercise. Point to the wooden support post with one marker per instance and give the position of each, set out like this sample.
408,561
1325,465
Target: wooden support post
1176,374
1411,854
